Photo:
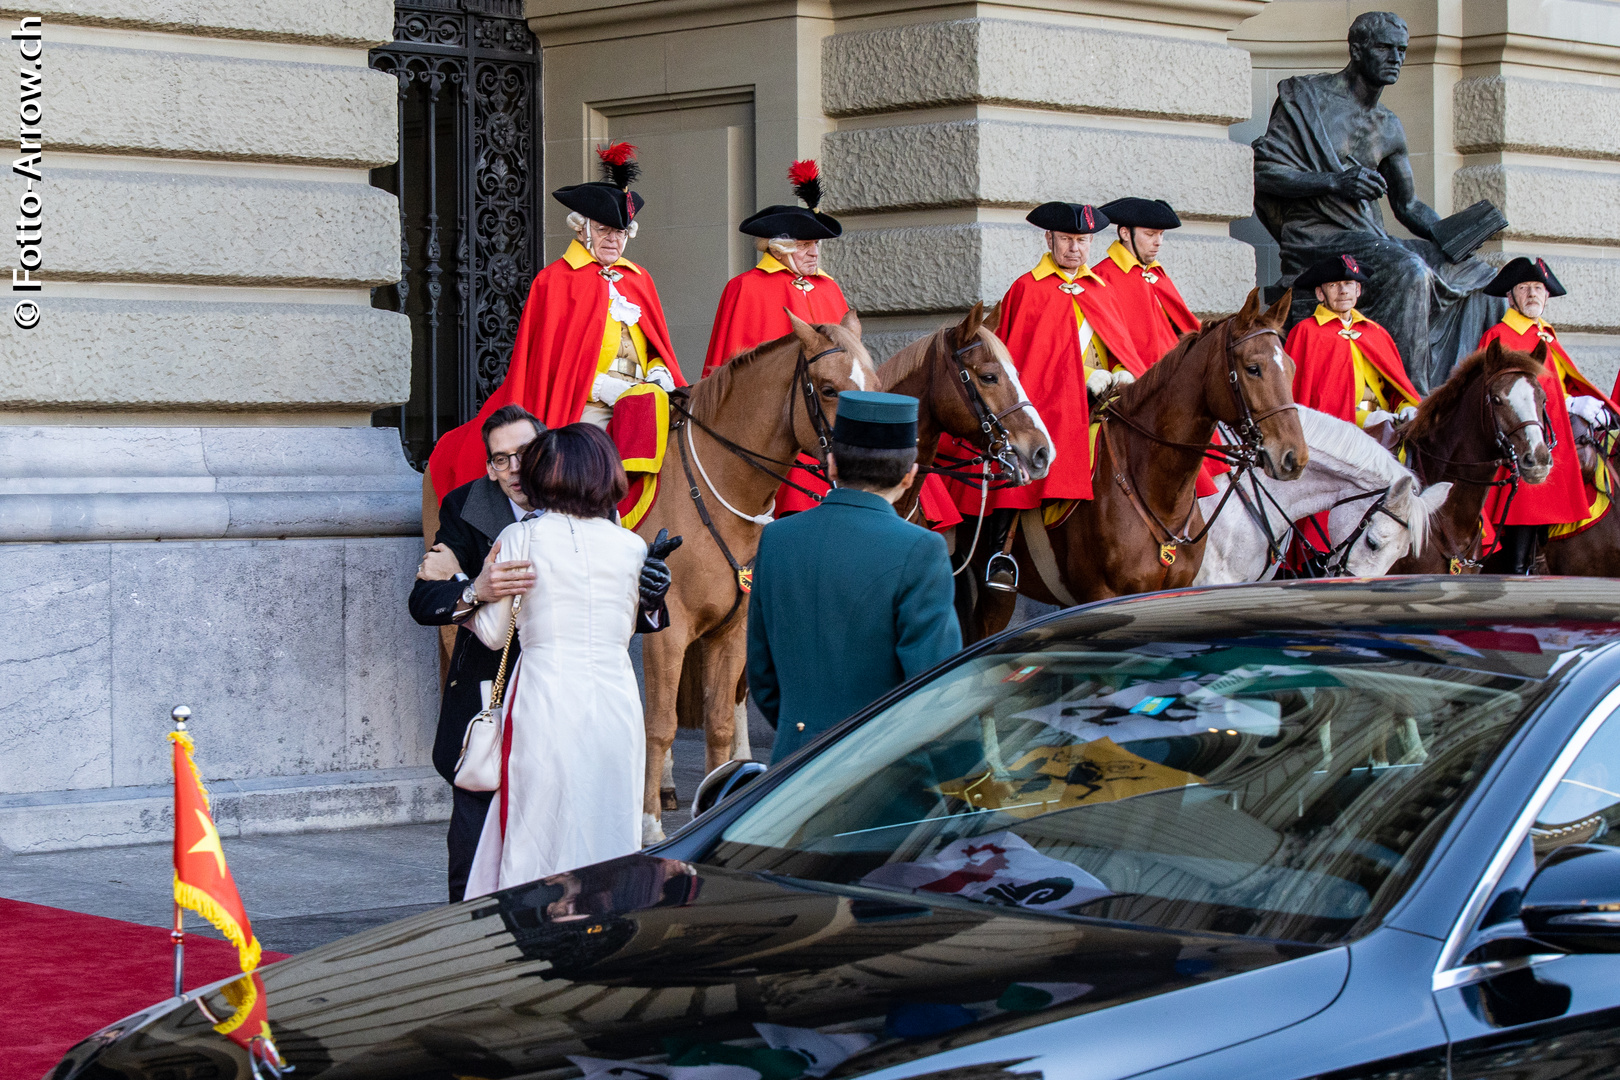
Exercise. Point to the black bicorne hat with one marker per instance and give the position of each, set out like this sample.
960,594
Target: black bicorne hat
1332,268
796,222
1134,213
1068,217
608,201
1520,270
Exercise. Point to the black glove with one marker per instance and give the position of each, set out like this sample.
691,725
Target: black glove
654,583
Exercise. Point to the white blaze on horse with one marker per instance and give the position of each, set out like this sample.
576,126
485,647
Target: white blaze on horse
1377,511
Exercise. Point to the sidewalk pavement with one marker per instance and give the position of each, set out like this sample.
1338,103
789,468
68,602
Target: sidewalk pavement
300,890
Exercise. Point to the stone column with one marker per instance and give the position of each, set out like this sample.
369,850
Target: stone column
1516,101
194,507
948,131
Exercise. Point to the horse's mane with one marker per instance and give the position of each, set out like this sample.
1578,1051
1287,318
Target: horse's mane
708,393
1163,371
1346,443
910,358
1439,408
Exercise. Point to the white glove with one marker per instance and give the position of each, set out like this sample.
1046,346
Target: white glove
608,388
1405,413
1122,378
659,374
1590,409
1376,417
1098,382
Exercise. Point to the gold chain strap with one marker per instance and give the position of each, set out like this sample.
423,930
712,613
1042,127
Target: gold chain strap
498,693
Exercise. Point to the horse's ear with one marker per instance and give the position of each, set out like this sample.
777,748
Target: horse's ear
968,328
1277,314
1493,352
1401,491
809,337
992,320
851,322
1250,309
1539,353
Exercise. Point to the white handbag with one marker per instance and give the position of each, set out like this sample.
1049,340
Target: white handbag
479,766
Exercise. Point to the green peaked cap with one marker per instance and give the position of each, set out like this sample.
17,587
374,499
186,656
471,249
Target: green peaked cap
875,420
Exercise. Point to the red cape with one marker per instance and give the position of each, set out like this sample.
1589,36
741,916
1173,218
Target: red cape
1324,374
1038,327
1153,313
559,341
1561,498
751,312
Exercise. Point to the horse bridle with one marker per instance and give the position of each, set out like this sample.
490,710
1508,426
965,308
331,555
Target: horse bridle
743,573
1242,458
1508,458
998,446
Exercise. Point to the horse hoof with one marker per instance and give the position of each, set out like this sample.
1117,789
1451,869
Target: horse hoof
652,830
667,799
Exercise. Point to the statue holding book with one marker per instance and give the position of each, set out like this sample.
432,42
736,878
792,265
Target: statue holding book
1330,153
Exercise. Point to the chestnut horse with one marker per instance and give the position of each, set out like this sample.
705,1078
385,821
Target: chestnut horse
748,420
1595,550
1139,531
1486,416
966,385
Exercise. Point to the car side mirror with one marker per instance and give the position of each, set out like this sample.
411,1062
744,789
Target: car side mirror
1573,902
722,783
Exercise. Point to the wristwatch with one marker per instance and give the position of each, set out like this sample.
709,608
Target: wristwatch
469,596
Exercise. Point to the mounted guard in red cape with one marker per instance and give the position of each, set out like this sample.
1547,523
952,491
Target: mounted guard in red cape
592,345
1139,527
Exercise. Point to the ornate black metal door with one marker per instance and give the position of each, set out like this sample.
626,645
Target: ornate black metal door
468,182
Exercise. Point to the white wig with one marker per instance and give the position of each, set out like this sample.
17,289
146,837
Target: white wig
577,221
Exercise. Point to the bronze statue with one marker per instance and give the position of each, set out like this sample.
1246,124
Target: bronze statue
1331,151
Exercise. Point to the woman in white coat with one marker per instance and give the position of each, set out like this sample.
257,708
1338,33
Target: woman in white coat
574,745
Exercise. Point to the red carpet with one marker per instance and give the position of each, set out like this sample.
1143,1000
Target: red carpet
64,976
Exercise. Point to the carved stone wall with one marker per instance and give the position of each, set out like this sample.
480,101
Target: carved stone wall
194,507
937,129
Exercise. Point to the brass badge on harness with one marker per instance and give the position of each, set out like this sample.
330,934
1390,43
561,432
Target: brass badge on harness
745,578
1167,554
1454,565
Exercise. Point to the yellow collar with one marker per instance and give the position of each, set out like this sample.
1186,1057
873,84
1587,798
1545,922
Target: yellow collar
1048,266
771,264
1519,322
1126,261
1325,315
578,258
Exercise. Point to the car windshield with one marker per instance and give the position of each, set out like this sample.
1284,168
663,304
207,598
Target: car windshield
1256,785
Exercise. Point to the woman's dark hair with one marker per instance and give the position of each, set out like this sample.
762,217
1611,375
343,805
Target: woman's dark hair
574,470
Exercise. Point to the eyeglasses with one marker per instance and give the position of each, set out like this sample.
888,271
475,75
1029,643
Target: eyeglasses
502,462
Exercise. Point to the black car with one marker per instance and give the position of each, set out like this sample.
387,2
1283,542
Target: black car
1347,829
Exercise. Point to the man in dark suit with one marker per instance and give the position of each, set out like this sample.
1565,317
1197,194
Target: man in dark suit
470,519
849,601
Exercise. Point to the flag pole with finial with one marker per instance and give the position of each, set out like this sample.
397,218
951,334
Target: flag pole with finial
179,714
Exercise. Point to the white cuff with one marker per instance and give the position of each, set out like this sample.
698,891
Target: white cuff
608,388
659,374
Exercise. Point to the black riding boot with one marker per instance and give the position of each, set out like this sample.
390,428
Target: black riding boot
1521,544
1001,573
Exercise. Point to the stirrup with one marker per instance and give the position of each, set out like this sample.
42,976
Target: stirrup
1001,573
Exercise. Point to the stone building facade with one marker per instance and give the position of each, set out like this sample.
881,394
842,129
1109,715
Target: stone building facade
194,506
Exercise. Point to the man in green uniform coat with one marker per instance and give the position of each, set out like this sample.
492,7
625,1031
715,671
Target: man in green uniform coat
849,601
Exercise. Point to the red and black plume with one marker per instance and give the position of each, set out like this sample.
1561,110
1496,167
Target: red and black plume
806,181
619,165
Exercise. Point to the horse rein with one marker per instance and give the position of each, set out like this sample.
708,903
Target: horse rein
1472,558
743,574
998,446
1243,461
